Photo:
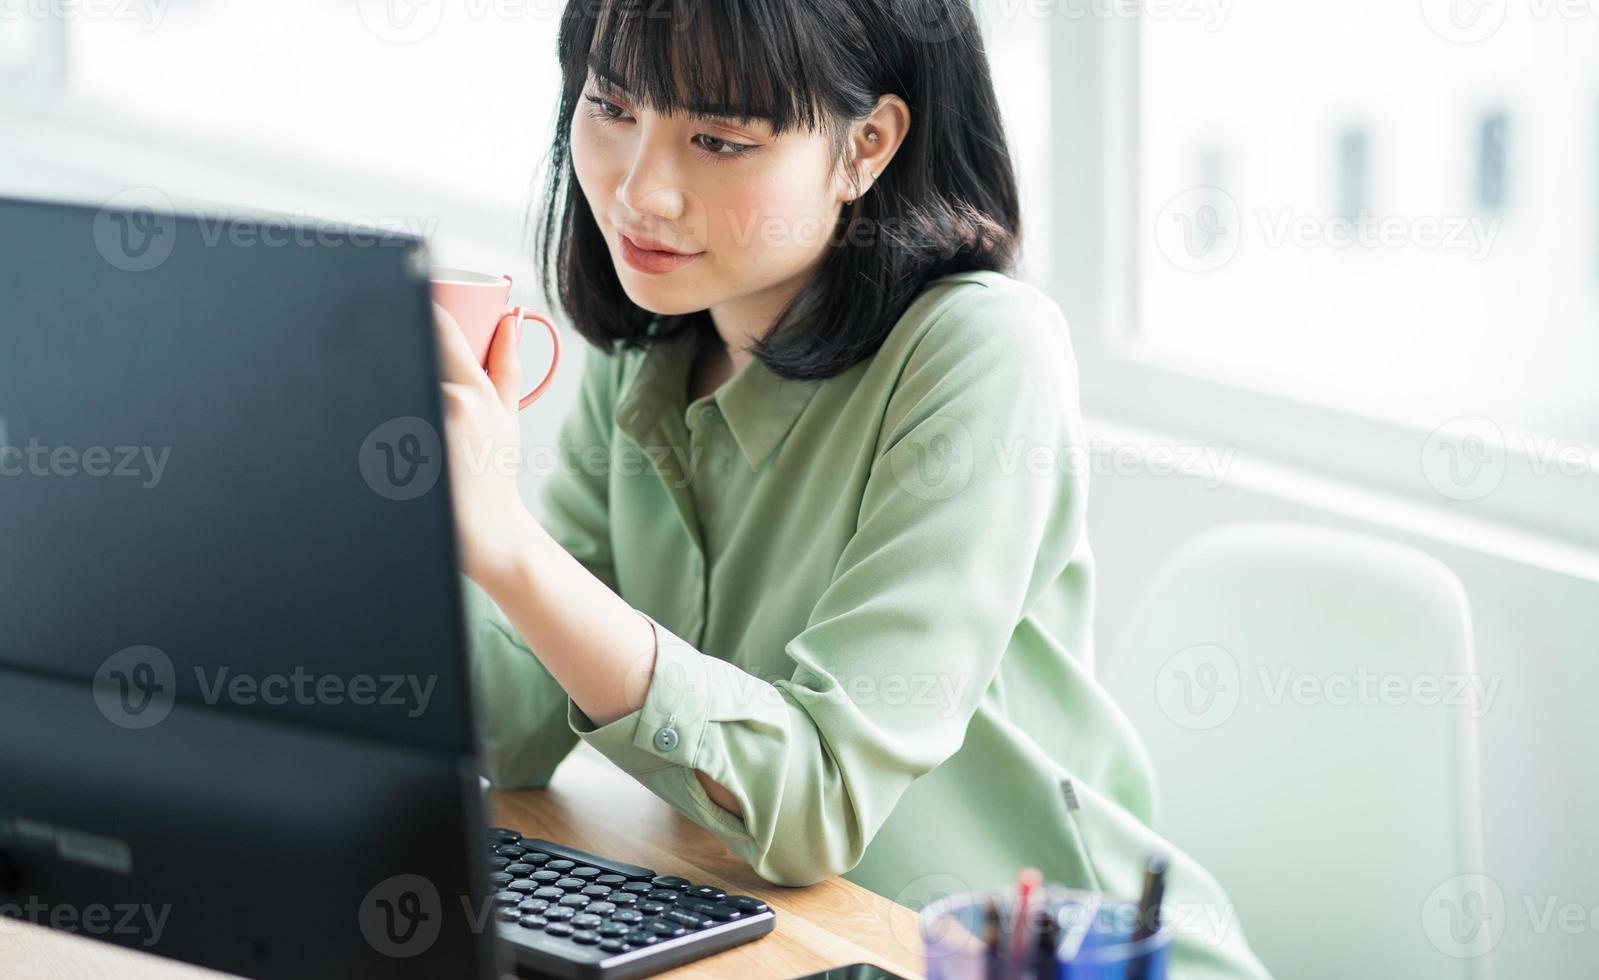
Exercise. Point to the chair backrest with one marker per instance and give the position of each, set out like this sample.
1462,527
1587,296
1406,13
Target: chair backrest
1309,698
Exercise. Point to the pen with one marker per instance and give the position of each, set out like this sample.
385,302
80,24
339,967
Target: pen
992,942
1026,881
1044,958
1148,910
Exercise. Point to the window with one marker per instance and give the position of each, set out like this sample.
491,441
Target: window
1360,236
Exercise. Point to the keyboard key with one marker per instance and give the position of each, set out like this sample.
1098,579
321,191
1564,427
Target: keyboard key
560,865
546,877
502,834
585,873
499,863
559,929
508,897
638,887
613,945
500,879
708,893
559,913
628,917
614,930
510,851
596,891
533,906
663,895
535,857
575,901
745,904
550,892
524,885
662,927
688,919
669,881
506,913
622,898
570,884
587,937
615,881
586,921
641,938
652,908
519,869
533,921
718,911
602,908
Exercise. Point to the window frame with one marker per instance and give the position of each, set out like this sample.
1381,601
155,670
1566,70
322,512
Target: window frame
1096,217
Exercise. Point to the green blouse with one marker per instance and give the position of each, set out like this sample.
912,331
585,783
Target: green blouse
872,598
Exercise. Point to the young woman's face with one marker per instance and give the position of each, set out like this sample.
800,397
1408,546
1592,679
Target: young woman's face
746,213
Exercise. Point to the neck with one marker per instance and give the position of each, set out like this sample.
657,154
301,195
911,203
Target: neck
743,320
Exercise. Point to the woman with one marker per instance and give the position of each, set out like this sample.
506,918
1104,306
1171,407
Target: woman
799,571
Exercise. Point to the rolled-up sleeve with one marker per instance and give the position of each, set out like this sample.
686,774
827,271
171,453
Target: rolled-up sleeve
961,524
521,709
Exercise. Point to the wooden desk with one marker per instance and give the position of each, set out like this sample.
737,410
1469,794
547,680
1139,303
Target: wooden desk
593,806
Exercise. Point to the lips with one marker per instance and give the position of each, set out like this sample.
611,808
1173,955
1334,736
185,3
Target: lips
648,255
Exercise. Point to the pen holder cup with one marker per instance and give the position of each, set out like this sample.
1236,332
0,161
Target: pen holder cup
1094,939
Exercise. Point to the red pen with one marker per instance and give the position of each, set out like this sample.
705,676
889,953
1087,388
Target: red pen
1026,882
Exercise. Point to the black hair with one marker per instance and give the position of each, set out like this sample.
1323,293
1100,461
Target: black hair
947,202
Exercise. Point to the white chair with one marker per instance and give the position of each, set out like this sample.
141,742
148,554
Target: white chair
1309,699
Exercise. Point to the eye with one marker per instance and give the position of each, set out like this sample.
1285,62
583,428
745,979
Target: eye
604,109
718,147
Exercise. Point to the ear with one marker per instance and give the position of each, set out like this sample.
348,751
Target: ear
871,144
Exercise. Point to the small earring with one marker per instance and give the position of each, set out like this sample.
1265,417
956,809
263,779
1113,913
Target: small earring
871,137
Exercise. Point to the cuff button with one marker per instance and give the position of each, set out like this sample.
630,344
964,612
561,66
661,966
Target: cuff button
666,739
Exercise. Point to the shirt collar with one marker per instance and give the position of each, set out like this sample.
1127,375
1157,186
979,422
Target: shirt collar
760,406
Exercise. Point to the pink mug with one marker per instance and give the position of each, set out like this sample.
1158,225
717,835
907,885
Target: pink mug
477,301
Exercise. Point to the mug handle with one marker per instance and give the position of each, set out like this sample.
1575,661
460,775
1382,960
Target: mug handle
522,313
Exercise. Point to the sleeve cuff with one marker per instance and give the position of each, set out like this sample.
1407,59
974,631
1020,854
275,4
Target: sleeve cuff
670,728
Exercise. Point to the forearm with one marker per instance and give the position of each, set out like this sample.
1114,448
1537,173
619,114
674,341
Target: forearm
595,645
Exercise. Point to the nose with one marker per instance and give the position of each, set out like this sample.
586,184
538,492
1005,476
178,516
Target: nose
652,184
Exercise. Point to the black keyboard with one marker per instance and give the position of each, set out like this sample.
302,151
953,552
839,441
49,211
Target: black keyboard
562,912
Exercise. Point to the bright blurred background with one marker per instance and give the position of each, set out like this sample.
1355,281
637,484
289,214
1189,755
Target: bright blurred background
1347,253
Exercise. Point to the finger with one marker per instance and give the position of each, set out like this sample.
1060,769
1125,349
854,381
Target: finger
505,367
456,362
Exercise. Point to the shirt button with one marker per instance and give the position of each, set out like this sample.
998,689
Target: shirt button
666,739
709,413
